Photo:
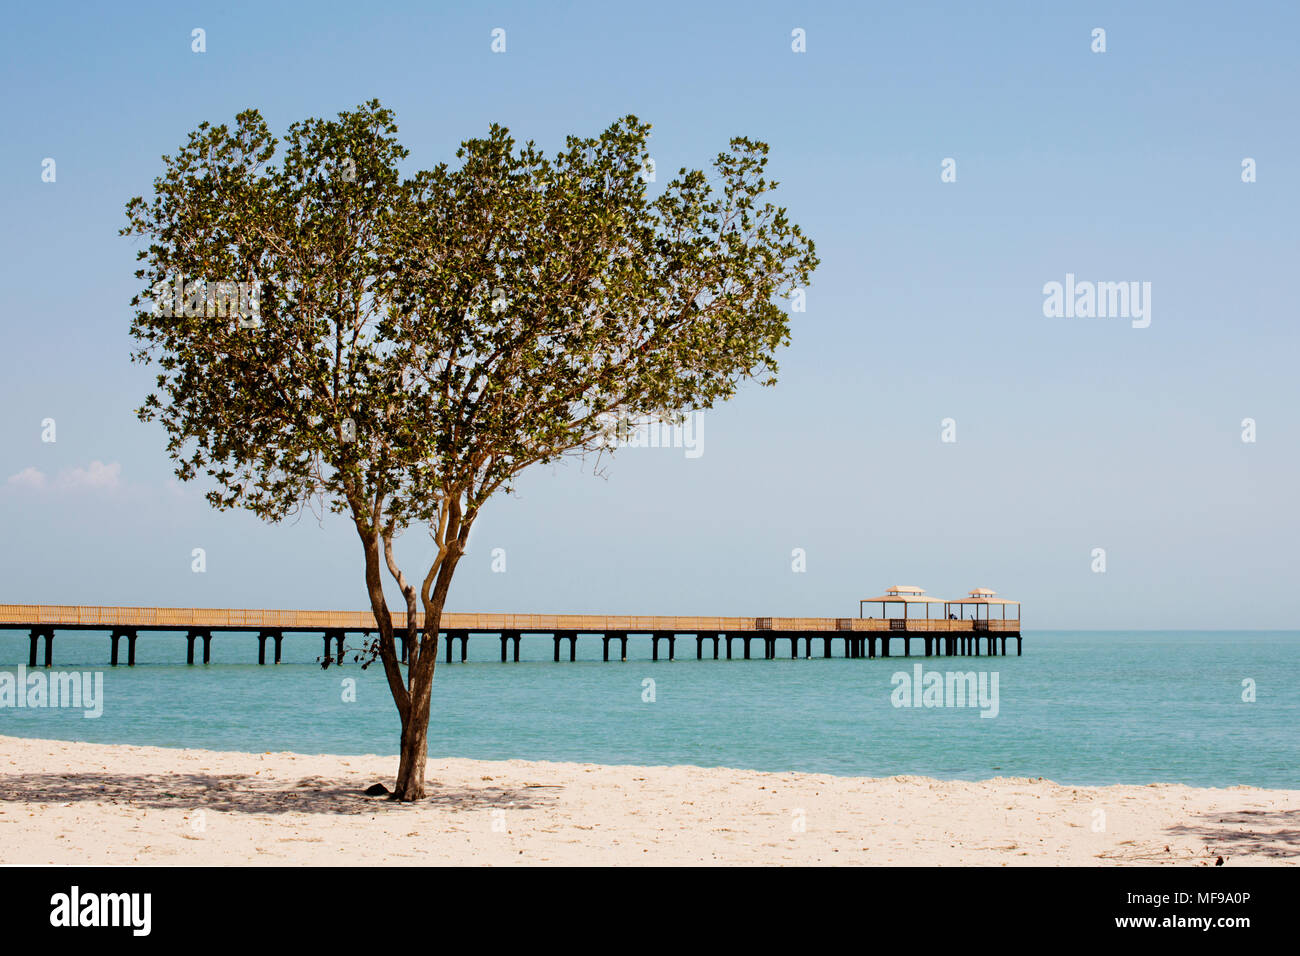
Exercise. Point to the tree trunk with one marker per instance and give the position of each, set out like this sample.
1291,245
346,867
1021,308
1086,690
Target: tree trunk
414,755
415,721
418,694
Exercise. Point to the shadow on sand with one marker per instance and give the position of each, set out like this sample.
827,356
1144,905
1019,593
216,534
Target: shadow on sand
241,793
1273,834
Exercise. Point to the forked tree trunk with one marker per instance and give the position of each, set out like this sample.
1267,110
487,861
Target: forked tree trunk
414,694
414,752
415,721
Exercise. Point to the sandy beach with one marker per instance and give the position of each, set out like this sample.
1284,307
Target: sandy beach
63,802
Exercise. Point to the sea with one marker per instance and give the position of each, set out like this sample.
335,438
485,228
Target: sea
1208,708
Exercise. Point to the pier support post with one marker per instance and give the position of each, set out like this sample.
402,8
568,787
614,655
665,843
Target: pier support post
744,638
503,649
279,638
727,638
1017,645
207,647
715,647
406,651
37,634
189,647
672,646
130,648
622,640
699,647
573,647
262,638
654,646
112,656
557,648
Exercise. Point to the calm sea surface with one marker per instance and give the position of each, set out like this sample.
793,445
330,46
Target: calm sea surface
1078,707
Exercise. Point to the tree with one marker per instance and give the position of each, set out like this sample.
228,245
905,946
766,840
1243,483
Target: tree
400,349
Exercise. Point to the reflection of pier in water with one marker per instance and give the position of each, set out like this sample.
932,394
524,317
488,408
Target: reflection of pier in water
954,634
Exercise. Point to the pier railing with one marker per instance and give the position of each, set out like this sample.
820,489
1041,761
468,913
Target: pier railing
180,618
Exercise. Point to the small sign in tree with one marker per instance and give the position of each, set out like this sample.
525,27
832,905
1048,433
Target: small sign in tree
400,349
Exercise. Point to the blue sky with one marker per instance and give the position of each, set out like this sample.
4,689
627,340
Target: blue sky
1072,434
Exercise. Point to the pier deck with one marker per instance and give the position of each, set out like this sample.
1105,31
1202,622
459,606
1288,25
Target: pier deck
855,636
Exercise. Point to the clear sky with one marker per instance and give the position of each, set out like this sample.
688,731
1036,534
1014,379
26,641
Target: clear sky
1071,433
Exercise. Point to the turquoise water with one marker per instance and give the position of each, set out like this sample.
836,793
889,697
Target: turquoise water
1078,707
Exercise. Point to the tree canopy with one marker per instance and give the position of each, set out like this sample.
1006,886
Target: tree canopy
400,347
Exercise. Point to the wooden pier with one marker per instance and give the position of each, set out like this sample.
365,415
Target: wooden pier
747,637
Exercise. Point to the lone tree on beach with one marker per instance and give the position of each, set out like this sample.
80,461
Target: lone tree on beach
400,349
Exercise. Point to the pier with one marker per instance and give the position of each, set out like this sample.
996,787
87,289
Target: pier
746,638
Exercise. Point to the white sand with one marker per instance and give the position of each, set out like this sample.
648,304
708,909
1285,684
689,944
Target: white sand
83,803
